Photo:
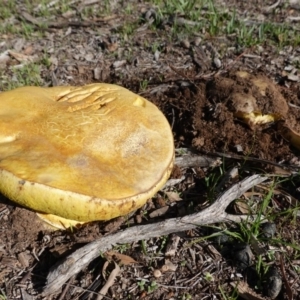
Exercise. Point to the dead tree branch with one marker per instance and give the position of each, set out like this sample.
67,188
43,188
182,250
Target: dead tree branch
215,213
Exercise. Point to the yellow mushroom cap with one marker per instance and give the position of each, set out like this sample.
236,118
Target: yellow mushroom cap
82,153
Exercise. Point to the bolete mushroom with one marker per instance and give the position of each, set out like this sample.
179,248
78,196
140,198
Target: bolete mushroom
256,100
80,154
279,109
246,106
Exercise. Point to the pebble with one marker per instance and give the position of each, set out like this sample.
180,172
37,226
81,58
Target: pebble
274,282
288,68
293,77
197,41
119,63
185,43
156,55
268,230
217,62
242,256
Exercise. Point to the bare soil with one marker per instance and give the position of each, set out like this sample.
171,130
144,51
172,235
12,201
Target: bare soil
201,102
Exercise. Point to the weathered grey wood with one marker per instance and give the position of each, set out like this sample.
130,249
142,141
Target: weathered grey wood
215,213
187,161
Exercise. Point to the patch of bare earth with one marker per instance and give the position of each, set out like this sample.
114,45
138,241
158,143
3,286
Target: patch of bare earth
194,90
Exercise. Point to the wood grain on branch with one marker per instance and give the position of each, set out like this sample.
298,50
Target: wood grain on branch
215,213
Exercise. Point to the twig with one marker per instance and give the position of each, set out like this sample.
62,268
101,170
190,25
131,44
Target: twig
78,260
270,8
203,161
63,294
57,25
253,159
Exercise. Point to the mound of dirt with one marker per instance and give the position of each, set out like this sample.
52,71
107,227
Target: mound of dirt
238,113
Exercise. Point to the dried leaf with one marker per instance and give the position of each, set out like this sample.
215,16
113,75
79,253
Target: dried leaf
29,50
159,212
214,252
120,258
22,57
173,196
281,171
241,207
110,281
169,266
258,247
172,245
112,47
106,264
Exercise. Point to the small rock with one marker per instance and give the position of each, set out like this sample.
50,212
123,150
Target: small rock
68,31
69,14
156,55
197,41
185,43
242,256
81,69
217,62
268,230
89,57
19,44
273,282
97,73
293,77
260,49
288,68
70,68
24,258
119,63
150,14
221,239
54,62
4,58
239,148
139,219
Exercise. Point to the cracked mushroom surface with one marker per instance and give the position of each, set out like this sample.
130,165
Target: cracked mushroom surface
82,153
